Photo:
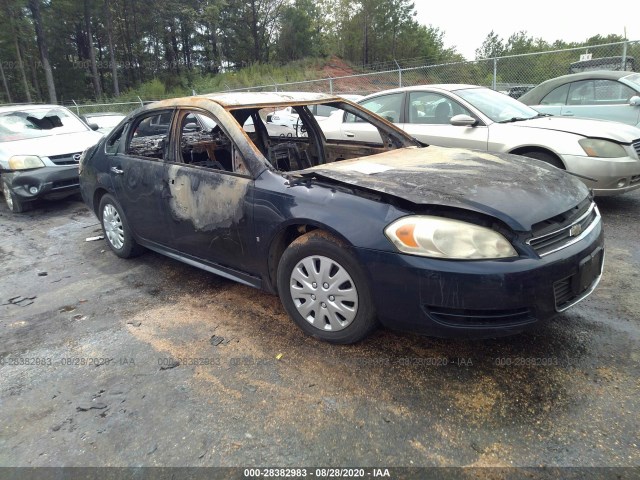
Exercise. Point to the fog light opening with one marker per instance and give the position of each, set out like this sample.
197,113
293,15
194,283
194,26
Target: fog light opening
33,190
622,183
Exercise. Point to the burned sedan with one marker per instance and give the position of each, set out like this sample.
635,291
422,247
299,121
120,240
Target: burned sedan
441,241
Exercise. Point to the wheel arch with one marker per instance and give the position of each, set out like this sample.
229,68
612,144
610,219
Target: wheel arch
523,150
284,237
97,197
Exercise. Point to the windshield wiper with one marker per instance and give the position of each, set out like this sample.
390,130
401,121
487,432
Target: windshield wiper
544,115
514,119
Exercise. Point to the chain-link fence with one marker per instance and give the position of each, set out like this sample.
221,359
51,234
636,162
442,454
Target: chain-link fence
514,73
511,74
120,107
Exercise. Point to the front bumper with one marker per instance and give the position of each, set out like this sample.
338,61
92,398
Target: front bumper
614,175
481,298
45,182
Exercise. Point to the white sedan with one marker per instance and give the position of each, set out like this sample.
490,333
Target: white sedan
605,155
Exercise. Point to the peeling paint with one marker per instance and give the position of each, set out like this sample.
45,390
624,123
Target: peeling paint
499,185
207,201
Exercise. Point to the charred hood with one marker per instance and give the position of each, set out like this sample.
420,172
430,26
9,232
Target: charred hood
516,190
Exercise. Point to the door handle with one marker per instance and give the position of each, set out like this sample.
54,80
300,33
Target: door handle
567,114
349,134
117,170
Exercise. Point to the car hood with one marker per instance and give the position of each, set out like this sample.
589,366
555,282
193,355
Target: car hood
50,145
619,132
516,190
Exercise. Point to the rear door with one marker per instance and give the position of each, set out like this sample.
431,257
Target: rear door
137,170
388,106
209,194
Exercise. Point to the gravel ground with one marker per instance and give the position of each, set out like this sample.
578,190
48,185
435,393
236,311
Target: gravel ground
149,362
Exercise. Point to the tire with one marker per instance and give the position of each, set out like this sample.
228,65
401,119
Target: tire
545,157
116,229
13,202
324,290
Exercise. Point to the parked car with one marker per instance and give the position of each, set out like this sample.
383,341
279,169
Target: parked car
603,154
287,117
40,147
102,122
348,234
604,63
605,95
518,90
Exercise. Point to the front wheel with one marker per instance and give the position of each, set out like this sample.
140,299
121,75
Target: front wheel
324,290
12,200
116,229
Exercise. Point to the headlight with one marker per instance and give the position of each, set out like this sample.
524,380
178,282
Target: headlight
81,160
443,238
596,147
25,162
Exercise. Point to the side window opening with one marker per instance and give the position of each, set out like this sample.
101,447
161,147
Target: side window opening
150,136
204,144
113,141
433,108
388,107
282,136
557,96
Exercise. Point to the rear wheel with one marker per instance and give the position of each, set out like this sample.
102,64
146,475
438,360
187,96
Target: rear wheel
12,200
545,157
324,289
116,229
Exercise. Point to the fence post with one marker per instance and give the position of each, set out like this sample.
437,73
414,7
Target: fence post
141,102
77,108
399,73
495,73
331,85
624,56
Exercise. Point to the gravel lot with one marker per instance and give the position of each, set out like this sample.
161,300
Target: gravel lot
89,373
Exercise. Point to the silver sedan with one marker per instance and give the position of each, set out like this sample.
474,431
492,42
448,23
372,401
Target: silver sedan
605,155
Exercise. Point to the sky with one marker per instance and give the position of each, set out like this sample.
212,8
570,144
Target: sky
466,23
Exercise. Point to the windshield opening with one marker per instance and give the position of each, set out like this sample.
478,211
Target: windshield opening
497,106
27,124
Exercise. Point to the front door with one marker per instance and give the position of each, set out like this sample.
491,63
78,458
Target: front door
428,119
137,171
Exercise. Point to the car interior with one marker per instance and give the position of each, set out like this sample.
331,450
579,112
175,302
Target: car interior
203,143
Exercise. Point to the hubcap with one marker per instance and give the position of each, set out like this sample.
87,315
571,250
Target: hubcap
7,195
324,293
113,226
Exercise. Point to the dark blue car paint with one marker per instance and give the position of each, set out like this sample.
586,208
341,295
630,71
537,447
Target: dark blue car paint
404,287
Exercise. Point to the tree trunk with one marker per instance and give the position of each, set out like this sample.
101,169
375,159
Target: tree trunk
25,83
92,54
34,6
4,82
254,32
112,56
33,66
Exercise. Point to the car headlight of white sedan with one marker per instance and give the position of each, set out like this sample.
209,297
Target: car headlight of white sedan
437,237
597,147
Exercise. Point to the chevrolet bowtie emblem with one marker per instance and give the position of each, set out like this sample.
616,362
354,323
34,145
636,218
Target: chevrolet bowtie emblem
575,230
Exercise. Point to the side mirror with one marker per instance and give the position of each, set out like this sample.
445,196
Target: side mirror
93,126
463,120
634,101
